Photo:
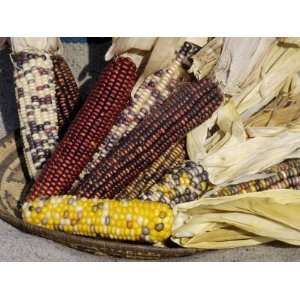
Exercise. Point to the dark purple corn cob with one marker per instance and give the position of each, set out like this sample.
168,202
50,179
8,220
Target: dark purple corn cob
189,106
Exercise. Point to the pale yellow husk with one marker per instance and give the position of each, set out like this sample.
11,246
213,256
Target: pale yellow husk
163,54
52,45
158,53
240,56
240,220
121,45
206,59
243,146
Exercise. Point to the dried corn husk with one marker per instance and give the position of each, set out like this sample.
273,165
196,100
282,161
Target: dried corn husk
285,108
161,52
236,152
242,152
136,49
281,63
48,44
239,57
123,45
205,60
240,220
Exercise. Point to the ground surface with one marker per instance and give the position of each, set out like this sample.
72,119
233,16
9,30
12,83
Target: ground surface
18,246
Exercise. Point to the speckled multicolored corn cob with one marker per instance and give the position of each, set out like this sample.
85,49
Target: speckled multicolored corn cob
288,177
154,90
94,120
189,106
35,92
173,157
284,166
184,183
66,91
132,220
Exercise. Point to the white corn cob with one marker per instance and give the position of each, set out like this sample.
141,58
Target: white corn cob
35,92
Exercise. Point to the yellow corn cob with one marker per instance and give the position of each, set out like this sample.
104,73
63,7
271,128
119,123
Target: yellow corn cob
122,220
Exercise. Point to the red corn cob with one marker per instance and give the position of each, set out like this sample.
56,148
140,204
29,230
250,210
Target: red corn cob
190,105
66,91
91,125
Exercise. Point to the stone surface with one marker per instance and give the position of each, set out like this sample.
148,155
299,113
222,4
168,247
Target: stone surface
18,246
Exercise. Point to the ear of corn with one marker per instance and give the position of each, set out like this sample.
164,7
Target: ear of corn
154,90
174,156
287,176
284,166
35,92
184,183
189,106
66,91
122,220
89,128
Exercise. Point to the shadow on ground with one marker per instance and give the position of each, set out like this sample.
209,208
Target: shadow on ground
8,109
97,48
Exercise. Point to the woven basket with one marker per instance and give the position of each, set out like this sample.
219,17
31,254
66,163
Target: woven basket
13,186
